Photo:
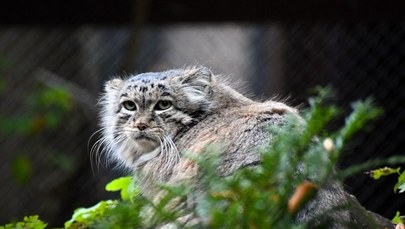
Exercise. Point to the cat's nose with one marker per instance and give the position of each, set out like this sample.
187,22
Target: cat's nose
141,126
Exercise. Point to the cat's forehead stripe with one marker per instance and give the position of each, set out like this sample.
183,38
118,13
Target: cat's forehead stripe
143,89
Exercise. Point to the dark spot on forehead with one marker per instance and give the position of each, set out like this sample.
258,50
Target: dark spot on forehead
161,86
131,87
143,89
149,82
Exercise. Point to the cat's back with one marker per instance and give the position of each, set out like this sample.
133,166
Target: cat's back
239,130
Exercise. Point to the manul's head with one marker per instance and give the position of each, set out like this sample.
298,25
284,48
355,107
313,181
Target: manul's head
140,115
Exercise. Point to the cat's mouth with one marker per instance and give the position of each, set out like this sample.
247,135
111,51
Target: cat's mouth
146,141
142,136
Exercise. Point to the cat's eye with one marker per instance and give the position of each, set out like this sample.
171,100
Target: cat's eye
129,105
163,105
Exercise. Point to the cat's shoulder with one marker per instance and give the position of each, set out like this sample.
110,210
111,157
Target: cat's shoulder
266,107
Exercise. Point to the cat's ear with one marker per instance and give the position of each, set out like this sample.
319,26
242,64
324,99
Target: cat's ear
113,85
199,78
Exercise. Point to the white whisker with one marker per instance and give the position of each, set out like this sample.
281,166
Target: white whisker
106,144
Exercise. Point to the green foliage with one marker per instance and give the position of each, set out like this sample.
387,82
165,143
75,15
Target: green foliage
125,185
85,217
52,104
29,222
54,97
400,185
22,125
44,110
110,212
363,112
124,215
378,173
398,218
21,169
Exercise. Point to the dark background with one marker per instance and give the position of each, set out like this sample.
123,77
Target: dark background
67,49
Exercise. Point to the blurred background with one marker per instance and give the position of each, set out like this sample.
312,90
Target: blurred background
55,56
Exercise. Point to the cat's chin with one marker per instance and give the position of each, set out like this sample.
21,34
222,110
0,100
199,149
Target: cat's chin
144,138
145,143
145,158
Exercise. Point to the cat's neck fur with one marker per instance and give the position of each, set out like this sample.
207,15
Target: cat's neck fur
224,96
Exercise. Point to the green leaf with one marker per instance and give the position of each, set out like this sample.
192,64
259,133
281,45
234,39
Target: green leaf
398,218
378,173
21,169
85,216
34,222
400,185
124,215
29,222
123,184
401,188
358,168
16,125
363,112
59,97
53,120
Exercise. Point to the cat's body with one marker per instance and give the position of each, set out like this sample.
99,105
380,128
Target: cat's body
150,120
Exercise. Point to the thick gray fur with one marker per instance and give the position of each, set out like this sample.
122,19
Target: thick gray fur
204,110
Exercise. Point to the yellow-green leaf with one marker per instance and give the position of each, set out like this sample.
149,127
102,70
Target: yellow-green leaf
378,173
398,218
121,184
400,185
85,216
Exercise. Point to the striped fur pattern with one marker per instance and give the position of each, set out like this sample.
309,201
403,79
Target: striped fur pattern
142,114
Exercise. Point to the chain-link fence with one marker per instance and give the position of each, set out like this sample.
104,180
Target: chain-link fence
50,79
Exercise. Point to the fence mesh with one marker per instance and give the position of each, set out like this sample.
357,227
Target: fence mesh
50,79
